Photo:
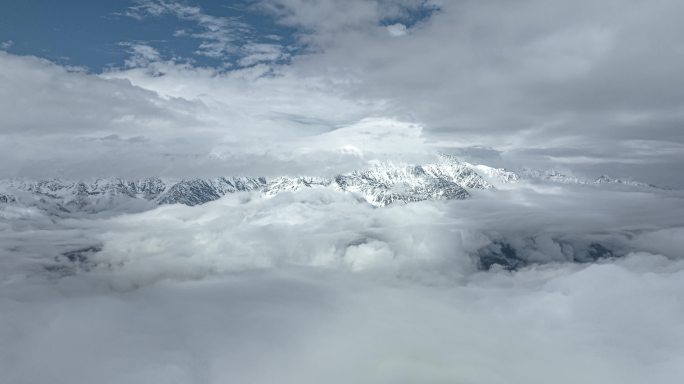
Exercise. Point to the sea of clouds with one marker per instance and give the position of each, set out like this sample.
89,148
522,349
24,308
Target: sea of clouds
315,286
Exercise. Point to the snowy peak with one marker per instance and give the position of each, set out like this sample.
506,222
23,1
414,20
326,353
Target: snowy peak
386,183
495,176
603,179
293,184
66,196
380,185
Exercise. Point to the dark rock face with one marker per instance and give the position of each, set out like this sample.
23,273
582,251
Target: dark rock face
5,198
70,262
597,251
501,254
199,191
506,256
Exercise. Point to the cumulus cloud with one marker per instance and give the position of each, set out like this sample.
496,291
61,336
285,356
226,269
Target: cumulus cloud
303,327
311,286
539,76
522,88
52,117
397,29
185,120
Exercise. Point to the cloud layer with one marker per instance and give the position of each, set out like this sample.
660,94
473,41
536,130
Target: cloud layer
315,286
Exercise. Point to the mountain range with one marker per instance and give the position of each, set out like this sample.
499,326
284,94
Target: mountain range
380,185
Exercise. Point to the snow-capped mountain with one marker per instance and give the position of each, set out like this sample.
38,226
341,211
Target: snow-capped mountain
555,176
293,184
200,191
65,196
380,185
495,176
603,179
385,184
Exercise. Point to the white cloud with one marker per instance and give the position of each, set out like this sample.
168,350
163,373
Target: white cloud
397,30
484,74
187,121
219,36
310,287
473,77
254,53
141,55
300,327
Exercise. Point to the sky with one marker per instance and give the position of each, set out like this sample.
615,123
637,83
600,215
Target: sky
191,87
98,35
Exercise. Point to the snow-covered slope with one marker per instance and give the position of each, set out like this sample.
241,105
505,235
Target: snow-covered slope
495,176
385,184
293,184
200,191
65,196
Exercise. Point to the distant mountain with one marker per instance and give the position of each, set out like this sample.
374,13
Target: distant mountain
293,184
380,185
200,191
559,177
66,196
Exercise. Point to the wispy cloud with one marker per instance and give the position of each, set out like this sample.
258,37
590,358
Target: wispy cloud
254,53
220,37
140,54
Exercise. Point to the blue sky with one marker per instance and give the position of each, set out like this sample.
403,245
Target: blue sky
96,34
100,34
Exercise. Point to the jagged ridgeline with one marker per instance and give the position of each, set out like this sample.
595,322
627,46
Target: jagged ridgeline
380,185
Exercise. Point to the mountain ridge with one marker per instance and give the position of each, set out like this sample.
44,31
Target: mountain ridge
380,185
